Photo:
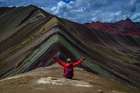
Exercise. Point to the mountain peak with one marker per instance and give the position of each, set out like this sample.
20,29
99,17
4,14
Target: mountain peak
128,19
32,6
39,9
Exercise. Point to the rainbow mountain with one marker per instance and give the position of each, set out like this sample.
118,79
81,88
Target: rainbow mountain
30,37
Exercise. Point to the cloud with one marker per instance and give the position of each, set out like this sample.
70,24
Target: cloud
97,10
86,10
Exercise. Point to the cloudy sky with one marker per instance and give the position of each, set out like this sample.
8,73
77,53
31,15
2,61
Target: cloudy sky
85,10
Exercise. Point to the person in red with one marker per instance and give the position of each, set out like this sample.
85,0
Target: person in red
68,66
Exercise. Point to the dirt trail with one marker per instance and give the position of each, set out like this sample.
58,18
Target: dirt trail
50,80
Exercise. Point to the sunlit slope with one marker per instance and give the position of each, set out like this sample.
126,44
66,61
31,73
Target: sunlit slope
30,37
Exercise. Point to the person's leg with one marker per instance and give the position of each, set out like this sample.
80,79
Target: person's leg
69,77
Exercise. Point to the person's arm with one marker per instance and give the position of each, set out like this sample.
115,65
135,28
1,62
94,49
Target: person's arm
59,61
79,61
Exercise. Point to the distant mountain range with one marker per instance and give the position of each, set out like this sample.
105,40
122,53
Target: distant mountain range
123,27
30,37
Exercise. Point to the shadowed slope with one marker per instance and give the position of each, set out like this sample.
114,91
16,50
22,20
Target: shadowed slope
29,37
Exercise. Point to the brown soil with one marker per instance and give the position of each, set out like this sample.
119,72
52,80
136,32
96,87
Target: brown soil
27,83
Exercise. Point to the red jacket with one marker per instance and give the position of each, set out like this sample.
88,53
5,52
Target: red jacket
68,67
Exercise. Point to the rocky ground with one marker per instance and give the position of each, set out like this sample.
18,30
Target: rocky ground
50,80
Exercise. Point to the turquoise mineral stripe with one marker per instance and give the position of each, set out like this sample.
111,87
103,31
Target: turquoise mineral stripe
37,53
33,57
94,67
69,46
44,47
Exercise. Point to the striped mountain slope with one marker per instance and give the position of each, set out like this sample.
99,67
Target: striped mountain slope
30,37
